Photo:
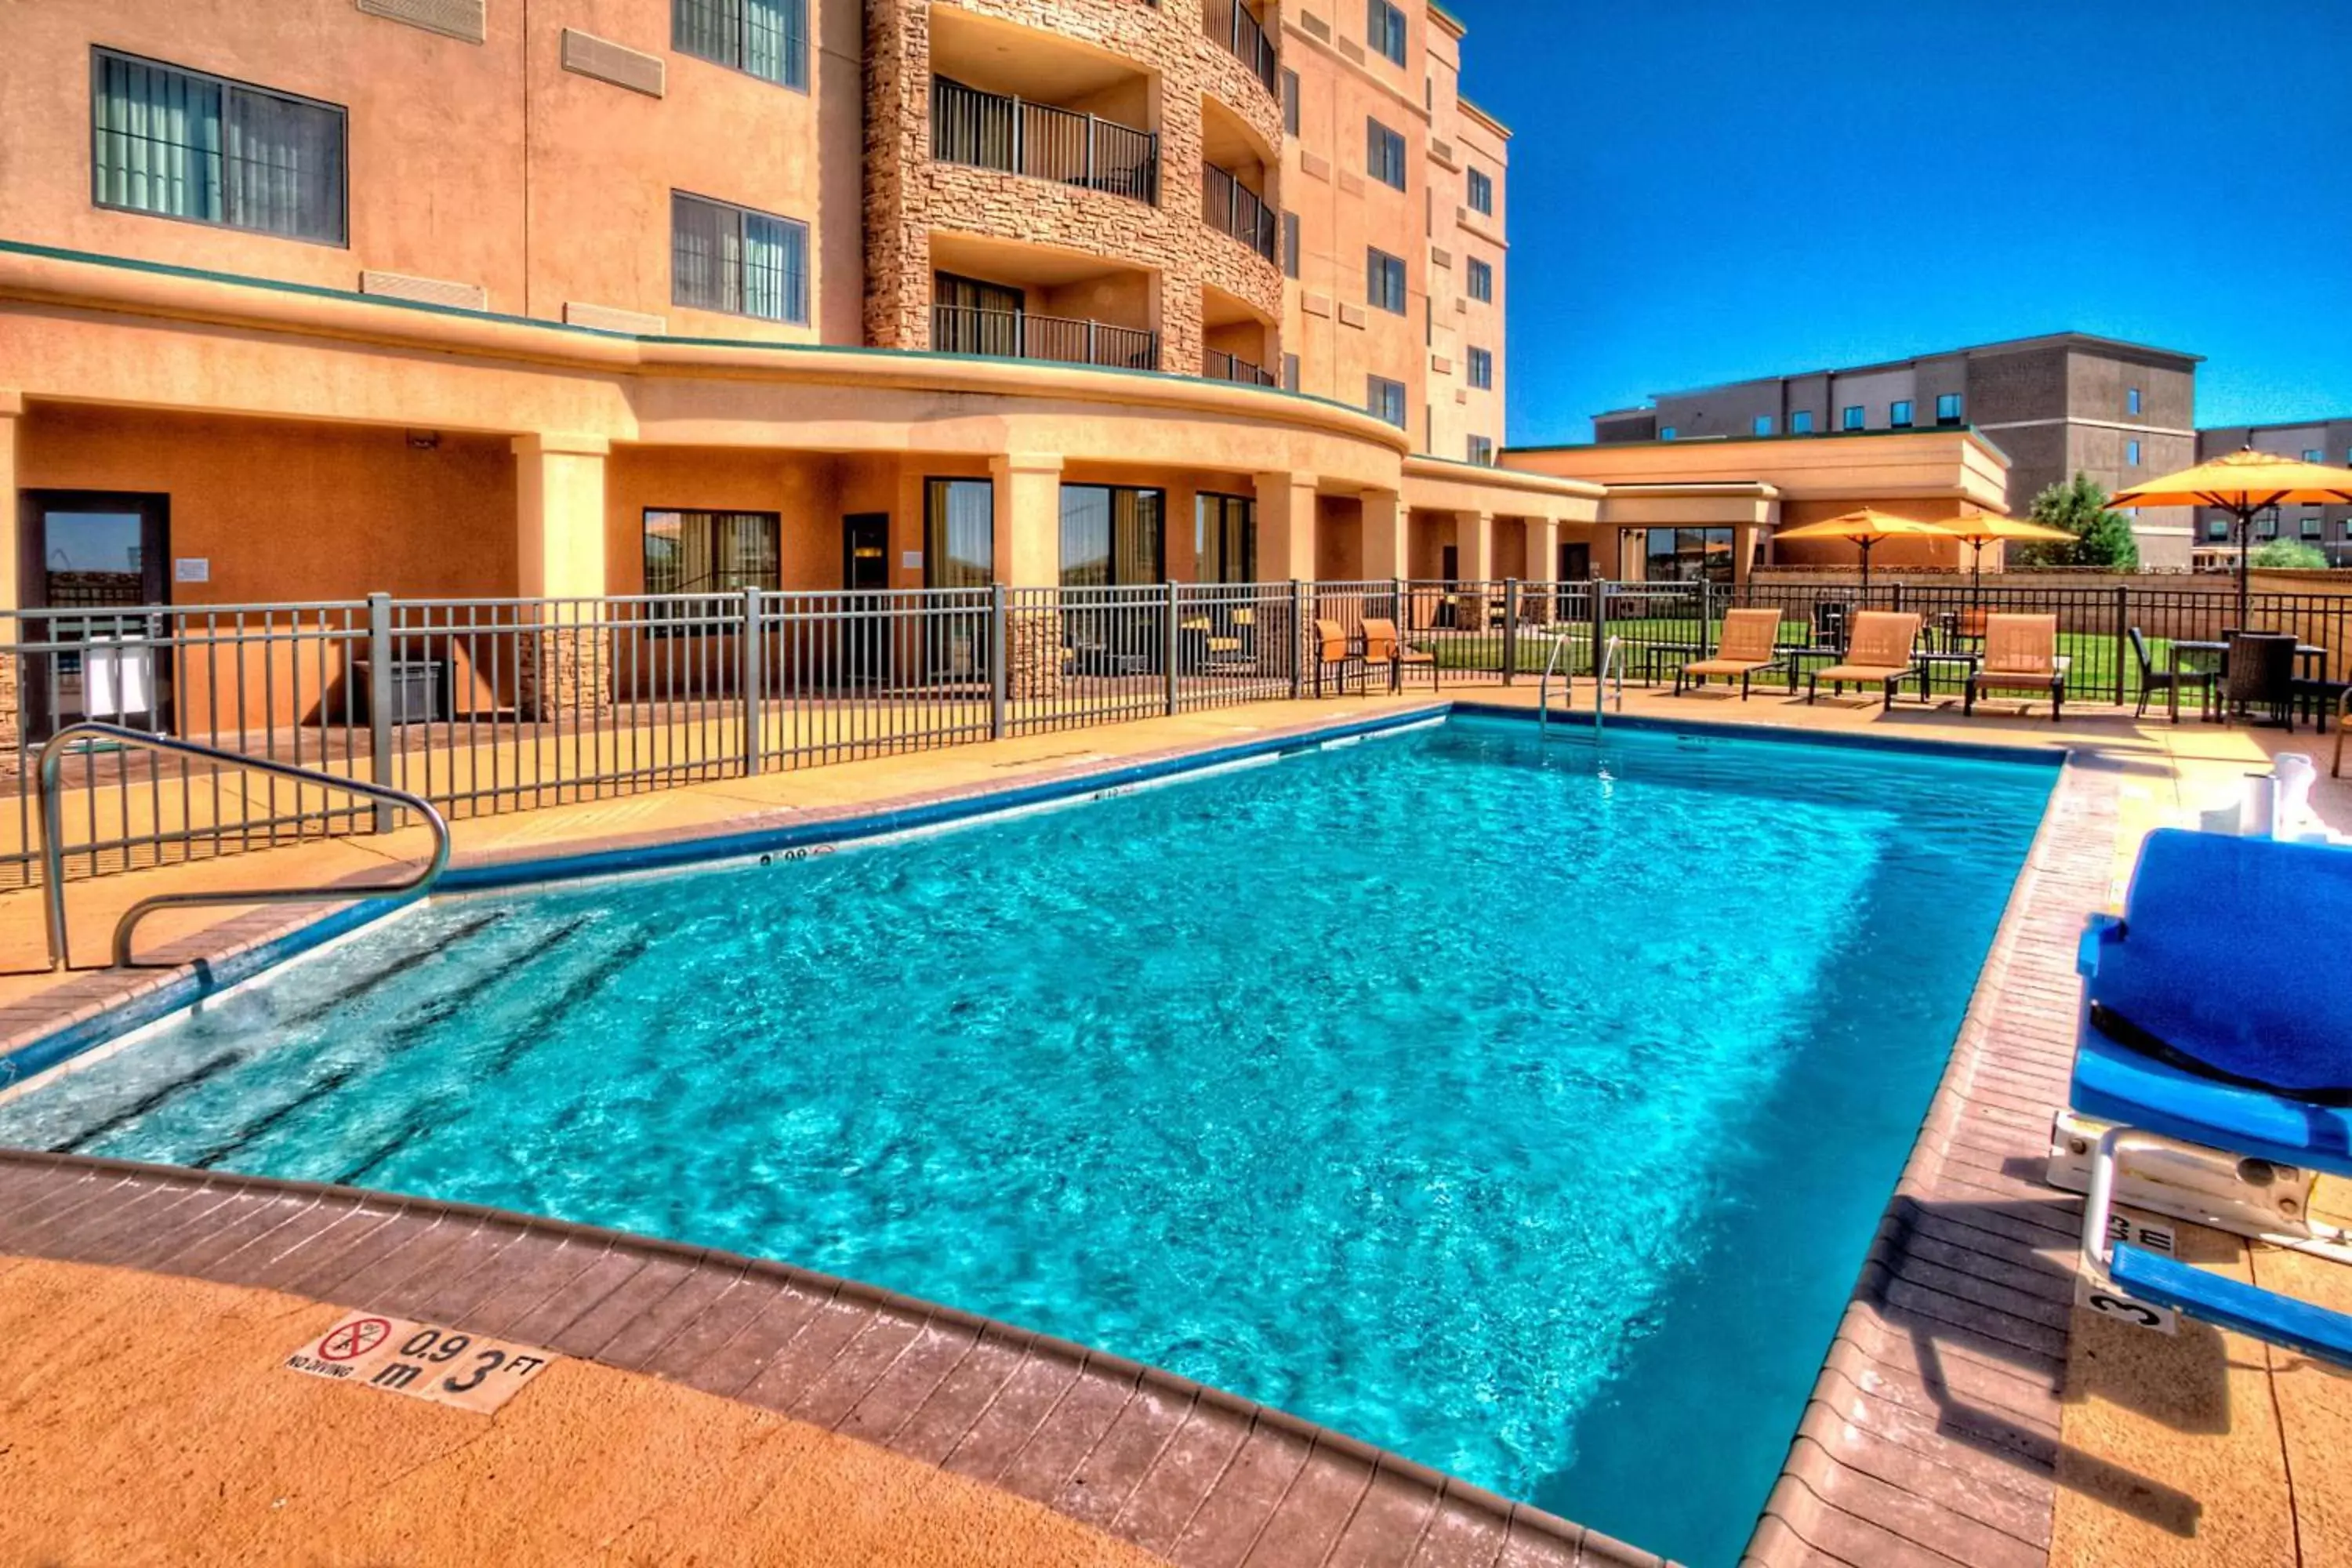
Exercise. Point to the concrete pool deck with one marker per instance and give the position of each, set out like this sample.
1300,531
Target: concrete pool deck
1966,1413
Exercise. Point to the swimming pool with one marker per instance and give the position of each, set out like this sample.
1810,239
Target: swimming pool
1525,1109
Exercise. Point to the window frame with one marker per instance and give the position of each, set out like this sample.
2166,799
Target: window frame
1376,388
228,87
1480,366
1379,270
1480,279
1385,26
1228,508
1959,415
1112,494
1385,156
679,621
1482,450
1730,569
1801,422
1482,183
1899,414
804,296
2131,454
1293,111
1853,417
2133,401
934,486
807,54
1294,247
1762,424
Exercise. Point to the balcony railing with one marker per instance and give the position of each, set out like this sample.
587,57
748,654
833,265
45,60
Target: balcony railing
991,130
1229,23
1017,334
1234,209
1219,366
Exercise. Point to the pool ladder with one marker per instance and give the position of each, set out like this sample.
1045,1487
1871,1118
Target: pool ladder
1613,666
53,849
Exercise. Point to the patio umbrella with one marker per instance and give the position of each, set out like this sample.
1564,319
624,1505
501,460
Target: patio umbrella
2241,484
1981,532
1866,529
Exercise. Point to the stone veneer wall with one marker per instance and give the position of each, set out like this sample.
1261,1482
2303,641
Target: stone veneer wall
907,195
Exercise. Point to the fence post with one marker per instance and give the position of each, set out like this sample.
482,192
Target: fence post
1510,630
999,676
380,689
754,682
1298,639
1600,590
1898,597
2123,641
1172,647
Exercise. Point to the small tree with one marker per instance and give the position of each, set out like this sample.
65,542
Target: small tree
2103,536
2289,555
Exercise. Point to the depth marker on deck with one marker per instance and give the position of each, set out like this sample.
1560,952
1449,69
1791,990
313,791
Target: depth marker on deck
424,1360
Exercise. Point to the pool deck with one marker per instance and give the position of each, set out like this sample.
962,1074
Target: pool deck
1966,1413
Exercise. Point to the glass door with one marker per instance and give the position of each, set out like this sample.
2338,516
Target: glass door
865,576
92,569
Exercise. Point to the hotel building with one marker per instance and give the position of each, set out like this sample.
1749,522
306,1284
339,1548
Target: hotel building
2327,529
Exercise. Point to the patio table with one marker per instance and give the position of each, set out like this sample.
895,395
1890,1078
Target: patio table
2305,654
1927,662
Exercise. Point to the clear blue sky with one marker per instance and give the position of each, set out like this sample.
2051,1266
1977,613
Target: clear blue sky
1703,190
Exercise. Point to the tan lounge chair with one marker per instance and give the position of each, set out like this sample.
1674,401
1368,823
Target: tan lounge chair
1878,651
1333,650
1747,649
1384,646
2021,655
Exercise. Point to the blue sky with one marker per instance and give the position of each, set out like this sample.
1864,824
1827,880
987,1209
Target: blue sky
1703,190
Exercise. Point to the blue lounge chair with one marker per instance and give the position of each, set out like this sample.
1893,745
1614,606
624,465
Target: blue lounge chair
2213,1017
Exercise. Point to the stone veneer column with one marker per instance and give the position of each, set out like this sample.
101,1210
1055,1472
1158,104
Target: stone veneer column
12,417
1028,517
559,556
898,72
1473,545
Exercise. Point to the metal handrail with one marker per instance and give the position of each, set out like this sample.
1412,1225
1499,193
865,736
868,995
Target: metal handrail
1609,660
53,853
1543,688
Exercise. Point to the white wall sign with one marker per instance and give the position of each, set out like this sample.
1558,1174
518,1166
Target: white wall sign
912,560
193,569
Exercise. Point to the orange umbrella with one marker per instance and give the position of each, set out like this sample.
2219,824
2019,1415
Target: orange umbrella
1866,529
1981,532
2241,484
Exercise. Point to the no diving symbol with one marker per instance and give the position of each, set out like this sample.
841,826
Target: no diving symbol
349,1341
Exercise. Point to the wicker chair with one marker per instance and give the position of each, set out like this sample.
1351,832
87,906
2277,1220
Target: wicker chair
2170,682
2261,674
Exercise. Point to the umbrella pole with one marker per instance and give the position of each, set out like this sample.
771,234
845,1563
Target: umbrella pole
2245,557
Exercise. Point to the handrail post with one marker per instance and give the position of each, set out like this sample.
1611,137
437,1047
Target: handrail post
999,676
1298,639
1510,631
380,689
1175,647
1599,588
754,653
53,858
1090,150
2123,639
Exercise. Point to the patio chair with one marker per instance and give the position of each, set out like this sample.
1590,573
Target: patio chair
1747,649
2194,1044
2261,674
1331,648
2170,682
1209,651
1878,652
1383,645
2020,655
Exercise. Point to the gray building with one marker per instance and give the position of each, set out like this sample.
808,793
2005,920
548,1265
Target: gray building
2315,441
2056,404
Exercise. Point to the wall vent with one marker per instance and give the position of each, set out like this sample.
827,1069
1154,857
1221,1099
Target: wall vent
608,61
1316,304
450,18
1316,26
1350,183
612,319
1442,149
426,290
1317,167
1440,257
1351,315
1353,51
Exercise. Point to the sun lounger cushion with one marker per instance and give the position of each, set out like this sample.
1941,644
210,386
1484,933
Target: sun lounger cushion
2222,973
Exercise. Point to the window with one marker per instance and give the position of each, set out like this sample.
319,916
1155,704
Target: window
1688,555
1384,281
2312,525
1482,369
709,552
1898,413
1668,433
2131,400
2266,522
2310,455
1291,101
958,533
1290,245
731,259
1482,192
1947,408
769,39
179,143
1384,30
1113,536
2131,454
1851,418
1384,154
1385,399
1482,281
1801,423
1482,450
1762,424
2218,530
1290,372
1225,538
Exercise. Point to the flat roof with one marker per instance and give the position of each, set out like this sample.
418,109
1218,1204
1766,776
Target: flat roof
2004,345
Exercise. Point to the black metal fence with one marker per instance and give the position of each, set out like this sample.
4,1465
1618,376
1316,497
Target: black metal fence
1232,208
1219,366
1234,24
1022,335
997,131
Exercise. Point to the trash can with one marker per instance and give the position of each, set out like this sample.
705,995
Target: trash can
412,690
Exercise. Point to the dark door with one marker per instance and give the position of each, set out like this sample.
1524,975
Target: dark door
1576,562
1449,566
865,574
92,568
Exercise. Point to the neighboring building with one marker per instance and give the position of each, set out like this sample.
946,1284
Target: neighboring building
2326,441
2058,405
1710,508
470,297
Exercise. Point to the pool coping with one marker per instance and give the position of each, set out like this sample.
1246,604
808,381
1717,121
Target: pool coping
1837,1501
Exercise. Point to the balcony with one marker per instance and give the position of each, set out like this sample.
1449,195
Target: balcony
1020,334
1218,365
1230,23
998,130
1230,208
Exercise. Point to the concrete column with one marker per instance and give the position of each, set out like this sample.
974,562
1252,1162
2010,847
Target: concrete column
12,417
1384,535
1285,527
560,554
1473,540
1539,598
1028,519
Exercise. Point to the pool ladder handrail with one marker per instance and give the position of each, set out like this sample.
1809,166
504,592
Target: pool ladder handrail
1610,662
53,853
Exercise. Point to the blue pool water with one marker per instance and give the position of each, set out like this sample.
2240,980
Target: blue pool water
1525,1109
